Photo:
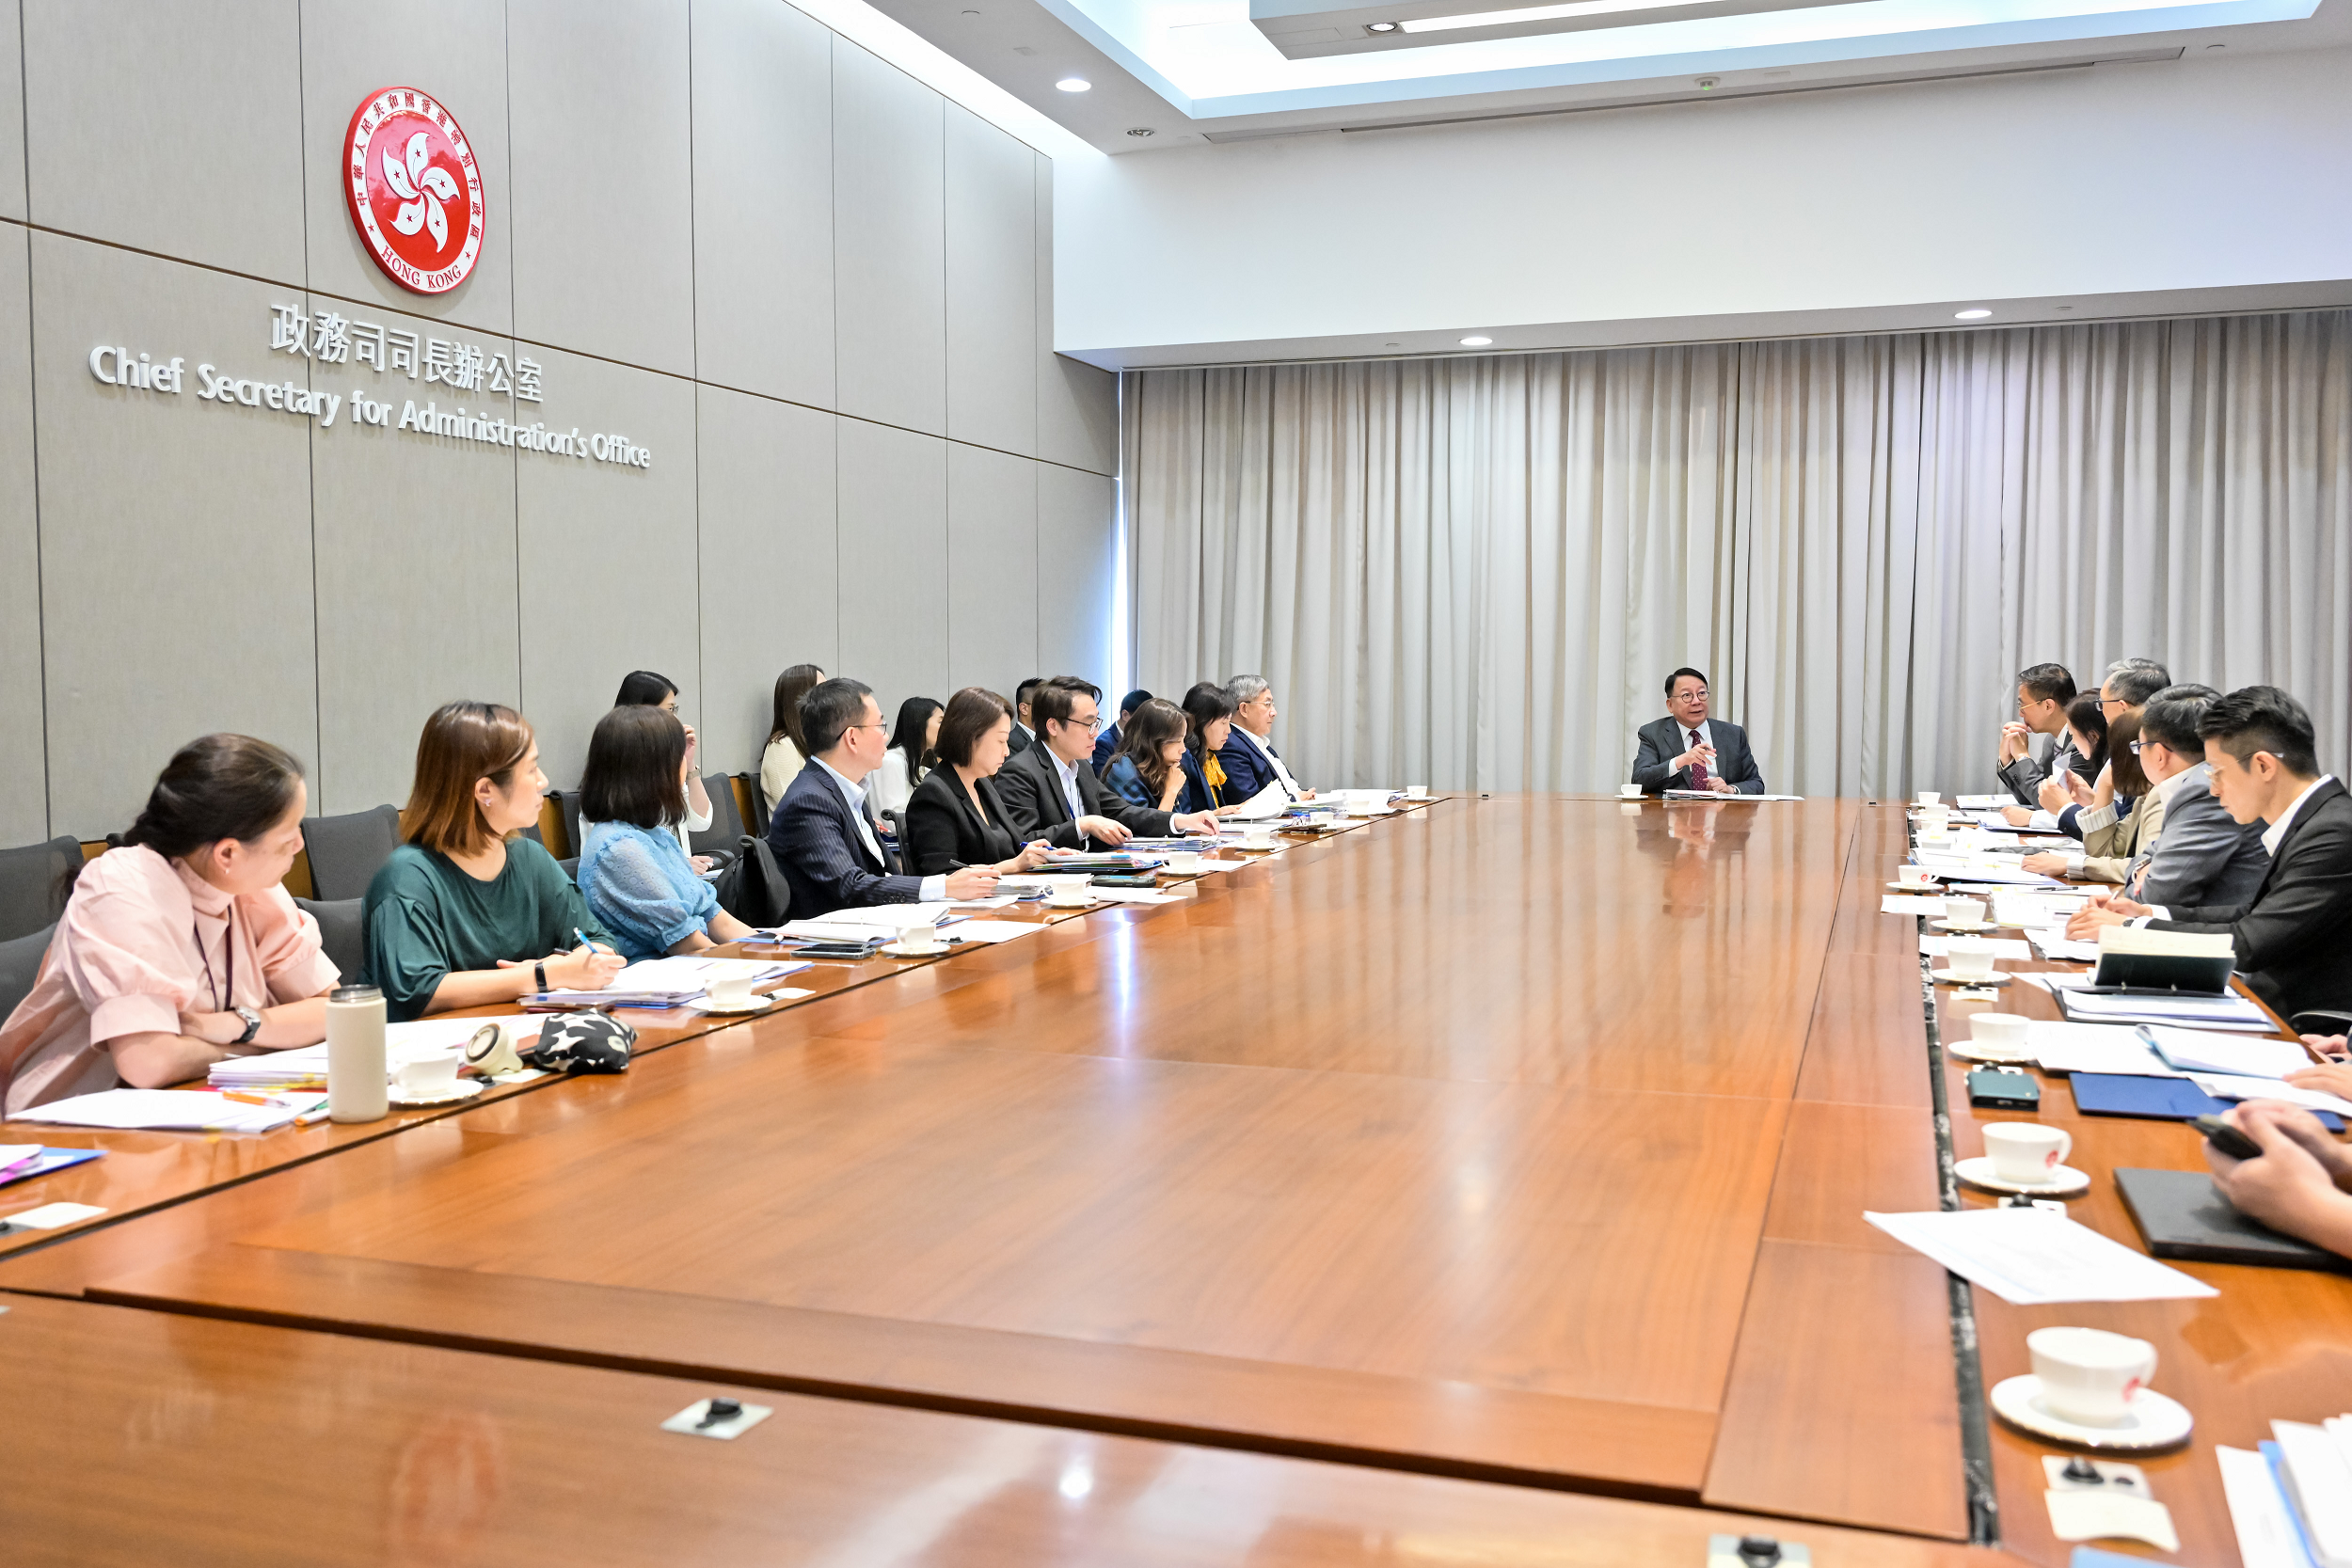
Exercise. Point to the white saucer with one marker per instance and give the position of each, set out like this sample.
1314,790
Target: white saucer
1969,1051
1946,977
2155,1422
1925,890
900,950
467,1088
1978,1172
1963,927
704,1004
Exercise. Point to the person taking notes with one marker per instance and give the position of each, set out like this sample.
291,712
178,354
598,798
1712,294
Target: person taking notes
823,832
468,911
180,947
956,818
632,873
1055,796
1687,750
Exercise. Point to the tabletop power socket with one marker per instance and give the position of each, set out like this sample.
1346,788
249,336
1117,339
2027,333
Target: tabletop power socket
1756,1551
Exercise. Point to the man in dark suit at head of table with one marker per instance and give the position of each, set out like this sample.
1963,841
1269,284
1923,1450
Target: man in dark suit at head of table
1687,750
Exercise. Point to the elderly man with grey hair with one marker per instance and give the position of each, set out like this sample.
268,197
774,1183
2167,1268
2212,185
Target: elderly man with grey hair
1249,756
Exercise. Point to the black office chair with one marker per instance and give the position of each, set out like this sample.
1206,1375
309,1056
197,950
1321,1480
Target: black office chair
35,882
2320,1022
342,933
753,889
758,826
20,964
567,801
726,823
346,852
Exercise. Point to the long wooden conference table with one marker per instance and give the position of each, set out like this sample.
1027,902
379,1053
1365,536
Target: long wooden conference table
1481,1184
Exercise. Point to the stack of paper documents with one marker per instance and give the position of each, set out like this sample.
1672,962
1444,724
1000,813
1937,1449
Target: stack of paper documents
2201,1012
2032,1257
2059,948
163,1110
2292,1501
2003,948
674,981
305,1067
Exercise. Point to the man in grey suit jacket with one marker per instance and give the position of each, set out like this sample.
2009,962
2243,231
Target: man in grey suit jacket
2043,692
1687,750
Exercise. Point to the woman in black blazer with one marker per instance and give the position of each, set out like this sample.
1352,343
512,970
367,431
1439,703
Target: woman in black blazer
955,818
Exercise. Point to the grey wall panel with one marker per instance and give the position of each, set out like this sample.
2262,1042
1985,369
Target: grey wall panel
24,783
992,568
603,184
1076,572
454,49
606,555
416,580
769,568
763,199
175,534
1077,405
991,286
11,111
172,127
894,562
889,242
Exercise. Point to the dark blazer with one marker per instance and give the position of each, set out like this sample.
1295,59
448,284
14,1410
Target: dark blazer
2294,941
817,843
1197,795
1020,739
1662,742
1105,748
1030,786
946,833
1247,769
2024,777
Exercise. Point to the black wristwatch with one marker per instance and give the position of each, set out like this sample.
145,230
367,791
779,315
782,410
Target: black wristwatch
252,1024
539,973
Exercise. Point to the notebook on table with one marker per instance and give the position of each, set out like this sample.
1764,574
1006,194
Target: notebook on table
2181,1214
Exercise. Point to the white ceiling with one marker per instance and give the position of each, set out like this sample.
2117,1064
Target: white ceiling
1194,70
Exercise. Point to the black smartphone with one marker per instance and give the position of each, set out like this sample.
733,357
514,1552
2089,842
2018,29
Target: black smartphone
833,950
1101,880
2004,1091
2228,1139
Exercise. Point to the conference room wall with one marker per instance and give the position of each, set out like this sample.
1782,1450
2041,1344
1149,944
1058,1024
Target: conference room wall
691,215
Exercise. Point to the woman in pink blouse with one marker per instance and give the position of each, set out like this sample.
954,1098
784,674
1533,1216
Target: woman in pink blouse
180,947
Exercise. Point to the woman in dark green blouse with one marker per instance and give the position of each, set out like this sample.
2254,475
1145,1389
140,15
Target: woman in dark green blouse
467,914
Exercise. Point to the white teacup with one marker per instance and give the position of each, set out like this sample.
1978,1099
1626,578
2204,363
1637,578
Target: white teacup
2001,1031
1629,792
1259,835
2026,1152
1930,797
922,939
1184,863
429,1076
1969,958
1069,895
2089,1374
729,991
1417,792
1965,911
1913,875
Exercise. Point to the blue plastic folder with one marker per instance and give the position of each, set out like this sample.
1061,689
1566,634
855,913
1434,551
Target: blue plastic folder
47,1161
2114,1094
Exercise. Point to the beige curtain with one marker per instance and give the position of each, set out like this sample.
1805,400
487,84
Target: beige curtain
1476,572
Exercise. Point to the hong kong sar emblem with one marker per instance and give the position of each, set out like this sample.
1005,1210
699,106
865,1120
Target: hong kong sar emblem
414,189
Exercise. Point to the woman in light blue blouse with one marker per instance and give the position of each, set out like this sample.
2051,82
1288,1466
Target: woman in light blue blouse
632,871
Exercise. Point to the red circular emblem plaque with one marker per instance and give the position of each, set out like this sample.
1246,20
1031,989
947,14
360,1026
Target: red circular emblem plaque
414,189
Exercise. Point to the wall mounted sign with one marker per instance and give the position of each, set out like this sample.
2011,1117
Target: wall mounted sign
414,189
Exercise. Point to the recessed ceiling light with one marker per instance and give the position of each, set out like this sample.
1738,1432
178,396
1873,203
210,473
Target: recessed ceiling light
1476,342
1380,27
1074,84
1976,315
1143,131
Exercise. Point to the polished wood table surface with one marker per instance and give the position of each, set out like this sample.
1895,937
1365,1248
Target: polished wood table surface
2277,1344
1519,1139
136,1438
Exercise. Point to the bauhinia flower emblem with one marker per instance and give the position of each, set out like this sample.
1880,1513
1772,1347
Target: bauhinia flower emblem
414,189
421,188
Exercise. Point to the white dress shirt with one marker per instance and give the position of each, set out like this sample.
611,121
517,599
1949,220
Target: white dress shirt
2277,832
1069,783
934,888
1281,772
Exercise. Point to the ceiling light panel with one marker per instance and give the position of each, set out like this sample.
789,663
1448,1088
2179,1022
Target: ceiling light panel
1311,29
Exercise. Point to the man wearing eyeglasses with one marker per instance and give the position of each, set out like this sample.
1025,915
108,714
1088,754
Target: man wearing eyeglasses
1687,750
822,831
1050,790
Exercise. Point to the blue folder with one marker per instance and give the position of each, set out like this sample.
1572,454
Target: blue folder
47,1161
2116,1094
